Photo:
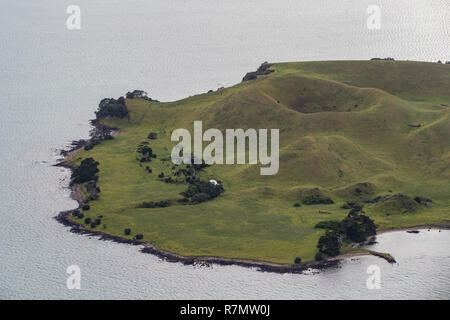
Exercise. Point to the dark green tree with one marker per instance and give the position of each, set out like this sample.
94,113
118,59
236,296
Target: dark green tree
330,243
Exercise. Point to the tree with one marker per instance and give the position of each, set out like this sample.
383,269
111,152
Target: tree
358,227
112,108
330,243
86,171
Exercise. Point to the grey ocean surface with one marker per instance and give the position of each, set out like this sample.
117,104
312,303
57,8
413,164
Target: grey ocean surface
51,80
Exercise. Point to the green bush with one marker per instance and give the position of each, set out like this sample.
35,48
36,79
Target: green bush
317,199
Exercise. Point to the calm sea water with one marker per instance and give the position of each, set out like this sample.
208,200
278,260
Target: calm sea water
52,80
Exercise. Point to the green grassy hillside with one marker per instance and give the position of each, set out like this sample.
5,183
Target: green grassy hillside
344,129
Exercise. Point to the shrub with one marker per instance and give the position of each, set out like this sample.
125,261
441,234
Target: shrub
297,204
320,256
80,216
162,204
87,220
211,189
86,207
144,150
93,225
151,204
152,135
127,231
333,225
139,236
297,260
200,197
317,199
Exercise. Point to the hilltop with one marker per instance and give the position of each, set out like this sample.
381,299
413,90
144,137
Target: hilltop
374,134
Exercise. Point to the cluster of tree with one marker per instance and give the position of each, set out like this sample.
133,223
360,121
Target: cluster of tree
76,213
153,204
262,70
110,107
93,223
139,94
86,171
145,151
356,227
187,173
202,191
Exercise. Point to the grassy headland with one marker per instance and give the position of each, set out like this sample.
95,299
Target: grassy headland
372,132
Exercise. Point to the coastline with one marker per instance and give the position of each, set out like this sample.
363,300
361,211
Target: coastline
99,132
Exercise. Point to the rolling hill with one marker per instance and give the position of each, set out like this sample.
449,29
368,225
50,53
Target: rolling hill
375,132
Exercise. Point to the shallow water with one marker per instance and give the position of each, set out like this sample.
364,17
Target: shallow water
52,80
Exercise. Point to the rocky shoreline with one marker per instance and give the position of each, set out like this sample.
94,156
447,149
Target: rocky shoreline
101,132
64,218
